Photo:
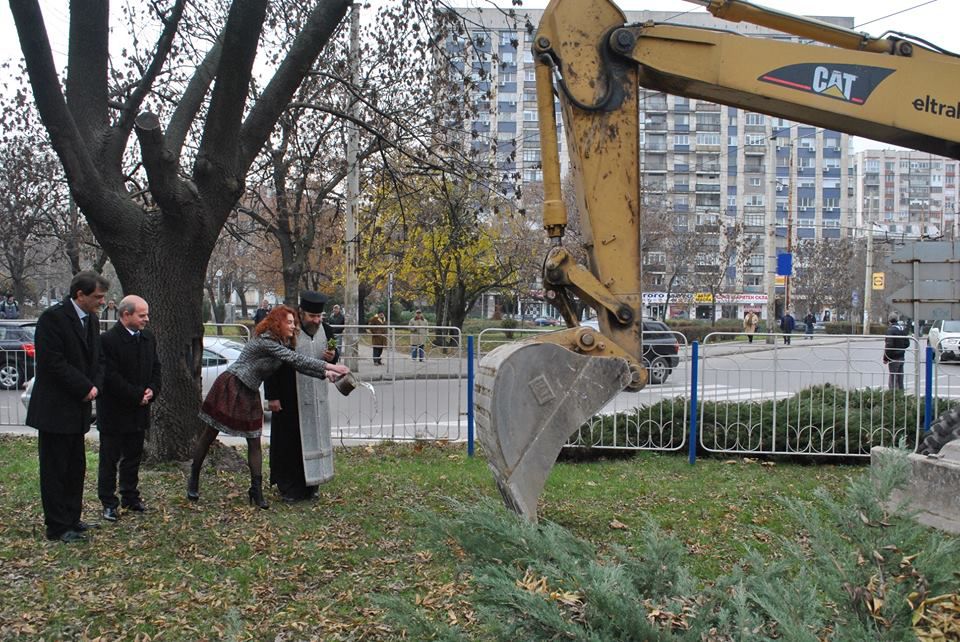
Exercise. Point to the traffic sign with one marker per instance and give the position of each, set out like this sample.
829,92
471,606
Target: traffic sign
878,278
932,272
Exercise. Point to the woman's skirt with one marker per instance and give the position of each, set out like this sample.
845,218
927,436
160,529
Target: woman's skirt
233,408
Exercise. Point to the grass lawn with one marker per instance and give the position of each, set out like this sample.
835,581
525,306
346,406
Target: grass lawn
219,569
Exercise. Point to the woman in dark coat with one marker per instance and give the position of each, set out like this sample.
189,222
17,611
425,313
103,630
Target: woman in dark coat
233,404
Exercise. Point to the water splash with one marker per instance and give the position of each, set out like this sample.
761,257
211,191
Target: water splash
373,393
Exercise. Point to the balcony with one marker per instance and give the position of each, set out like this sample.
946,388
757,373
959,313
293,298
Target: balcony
708,187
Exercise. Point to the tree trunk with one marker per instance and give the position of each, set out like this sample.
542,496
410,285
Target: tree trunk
176,304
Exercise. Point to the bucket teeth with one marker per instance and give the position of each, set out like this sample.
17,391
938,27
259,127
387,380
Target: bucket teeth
530,398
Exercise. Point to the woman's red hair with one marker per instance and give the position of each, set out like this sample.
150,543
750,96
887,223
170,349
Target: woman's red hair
274,323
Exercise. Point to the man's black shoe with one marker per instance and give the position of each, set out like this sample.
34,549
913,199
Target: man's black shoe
110,514
68,537
137,506
81,527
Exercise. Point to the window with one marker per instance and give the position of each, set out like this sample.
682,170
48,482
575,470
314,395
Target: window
530,75
756,200
755,181
529,115
656,258
507,37
753,220
507,57
832,202
756,119
681,119
707,138
681,139
756,139
531,155
506,76
732,201
806,201
873,165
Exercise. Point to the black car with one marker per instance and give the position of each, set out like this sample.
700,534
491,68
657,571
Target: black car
661,350
17,354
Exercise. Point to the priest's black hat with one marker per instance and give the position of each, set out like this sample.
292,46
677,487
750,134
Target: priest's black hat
311,301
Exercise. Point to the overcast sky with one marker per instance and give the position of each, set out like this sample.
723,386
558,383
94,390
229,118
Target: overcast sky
933,20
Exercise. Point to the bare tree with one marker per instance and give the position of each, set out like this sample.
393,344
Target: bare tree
724,250
826,273
160,238
31,187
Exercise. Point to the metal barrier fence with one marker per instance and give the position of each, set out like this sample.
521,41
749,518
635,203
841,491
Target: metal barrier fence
412,398
827,395
820,395
654,418
416,393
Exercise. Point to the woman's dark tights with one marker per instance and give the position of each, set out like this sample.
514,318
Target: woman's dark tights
207,437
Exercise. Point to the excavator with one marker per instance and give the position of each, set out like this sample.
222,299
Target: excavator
531,396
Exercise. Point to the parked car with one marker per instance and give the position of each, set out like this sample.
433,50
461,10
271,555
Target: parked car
17,353
661,350
218,353
944,337
545,321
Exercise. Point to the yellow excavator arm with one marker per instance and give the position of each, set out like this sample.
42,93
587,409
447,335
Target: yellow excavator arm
895,89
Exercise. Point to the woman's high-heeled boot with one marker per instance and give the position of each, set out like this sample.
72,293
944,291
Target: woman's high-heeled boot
256,492
193,483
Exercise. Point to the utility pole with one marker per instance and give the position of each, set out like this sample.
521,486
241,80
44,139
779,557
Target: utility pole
351,290
786,278
770,249
868,281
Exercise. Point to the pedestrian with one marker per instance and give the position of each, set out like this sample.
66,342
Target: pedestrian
261,312
110,313
69,376
300,410
379,338
418,335
894,347
108,316
750,323
337,321
131,382
787,324
809,321
9,307
233,404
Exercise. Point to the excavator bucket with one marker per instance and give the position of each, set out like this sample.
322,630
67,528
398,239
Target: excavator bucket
530,397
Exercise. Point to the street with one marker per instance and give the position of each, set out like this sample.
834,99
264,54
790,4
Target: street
436,408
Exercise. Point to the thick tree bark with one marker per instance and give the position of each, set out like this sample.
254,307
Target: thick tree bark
163,255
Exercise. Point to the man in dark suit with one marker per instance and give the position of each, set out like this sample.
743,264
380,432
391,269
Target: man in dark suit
131,382
69,377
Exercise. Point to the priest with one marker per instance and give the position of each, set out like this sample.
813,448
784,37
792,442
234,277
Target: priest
301,449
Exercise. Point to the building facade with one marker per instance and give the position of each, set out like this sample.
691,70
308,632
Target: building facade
907,194
704,167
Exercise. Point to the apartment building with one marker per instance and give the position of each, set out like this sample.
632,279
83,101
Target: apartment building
907,194
705,166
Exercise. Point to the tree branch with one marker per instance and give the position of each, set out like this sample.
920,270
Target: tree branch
74,153
132,105
87,60
159,165
216,165
308,44
192,100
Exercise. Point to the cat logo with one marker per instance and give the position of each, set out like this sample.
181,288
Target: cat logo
849,83
837,84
